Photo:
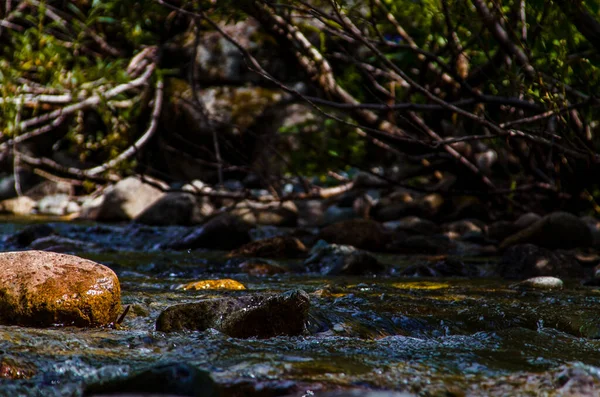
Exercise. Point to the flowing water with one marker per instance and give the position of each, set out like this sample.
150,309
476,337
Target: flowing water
426,336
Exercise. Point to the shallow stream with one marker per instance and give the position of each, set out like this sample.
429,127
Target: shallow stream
426,336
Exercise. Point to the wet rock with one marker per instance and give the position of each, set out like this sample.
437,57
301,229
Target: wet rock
334,259
361,233
57,205
223,232
258,315
21,205
175,209
391,212
45,288
49,188
226,283
526,220
310,213
172,379
26,236
449,267
527,260
557,230
541,283
435,245
415,225
500,230
335,214
459,228
13,368
275,247
594,226
261,267
126,200
276,214
61,244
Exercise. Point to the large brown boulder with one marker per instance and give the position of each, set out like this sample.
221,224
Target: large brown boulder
559,230
39,288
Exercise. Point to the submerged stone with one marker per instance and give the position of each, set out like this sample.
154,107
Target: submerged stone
173,379
43,289
257,315
225,283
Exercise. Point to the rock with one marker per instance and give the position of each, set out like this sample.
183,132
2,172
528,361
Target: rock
21,205
171,379
459,228
415,225
31,233
61,244
45,288
594,226
334,214
557,230
257,315
526,220
310,213
527,261
261,268
333,259
391,212
223,232
275,247
49,188
448,267
360,233
226,283
434,245
500,230
127,199
57,205
175,209
365,393
540,283
277,214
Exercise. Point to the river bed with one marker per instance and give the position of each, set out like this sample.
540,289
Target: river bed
443,337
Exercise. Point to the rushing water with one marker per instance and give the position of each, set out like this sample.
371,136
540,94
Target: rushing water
427,336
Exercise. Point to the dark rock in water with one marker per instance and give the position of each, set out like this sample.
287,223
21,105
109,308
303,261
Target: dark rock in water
261,267
275,247
31,233
259,315
62,244
176,379
449,267
559,230
365,393
415,225
223,232
360,233
332,259
527,261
